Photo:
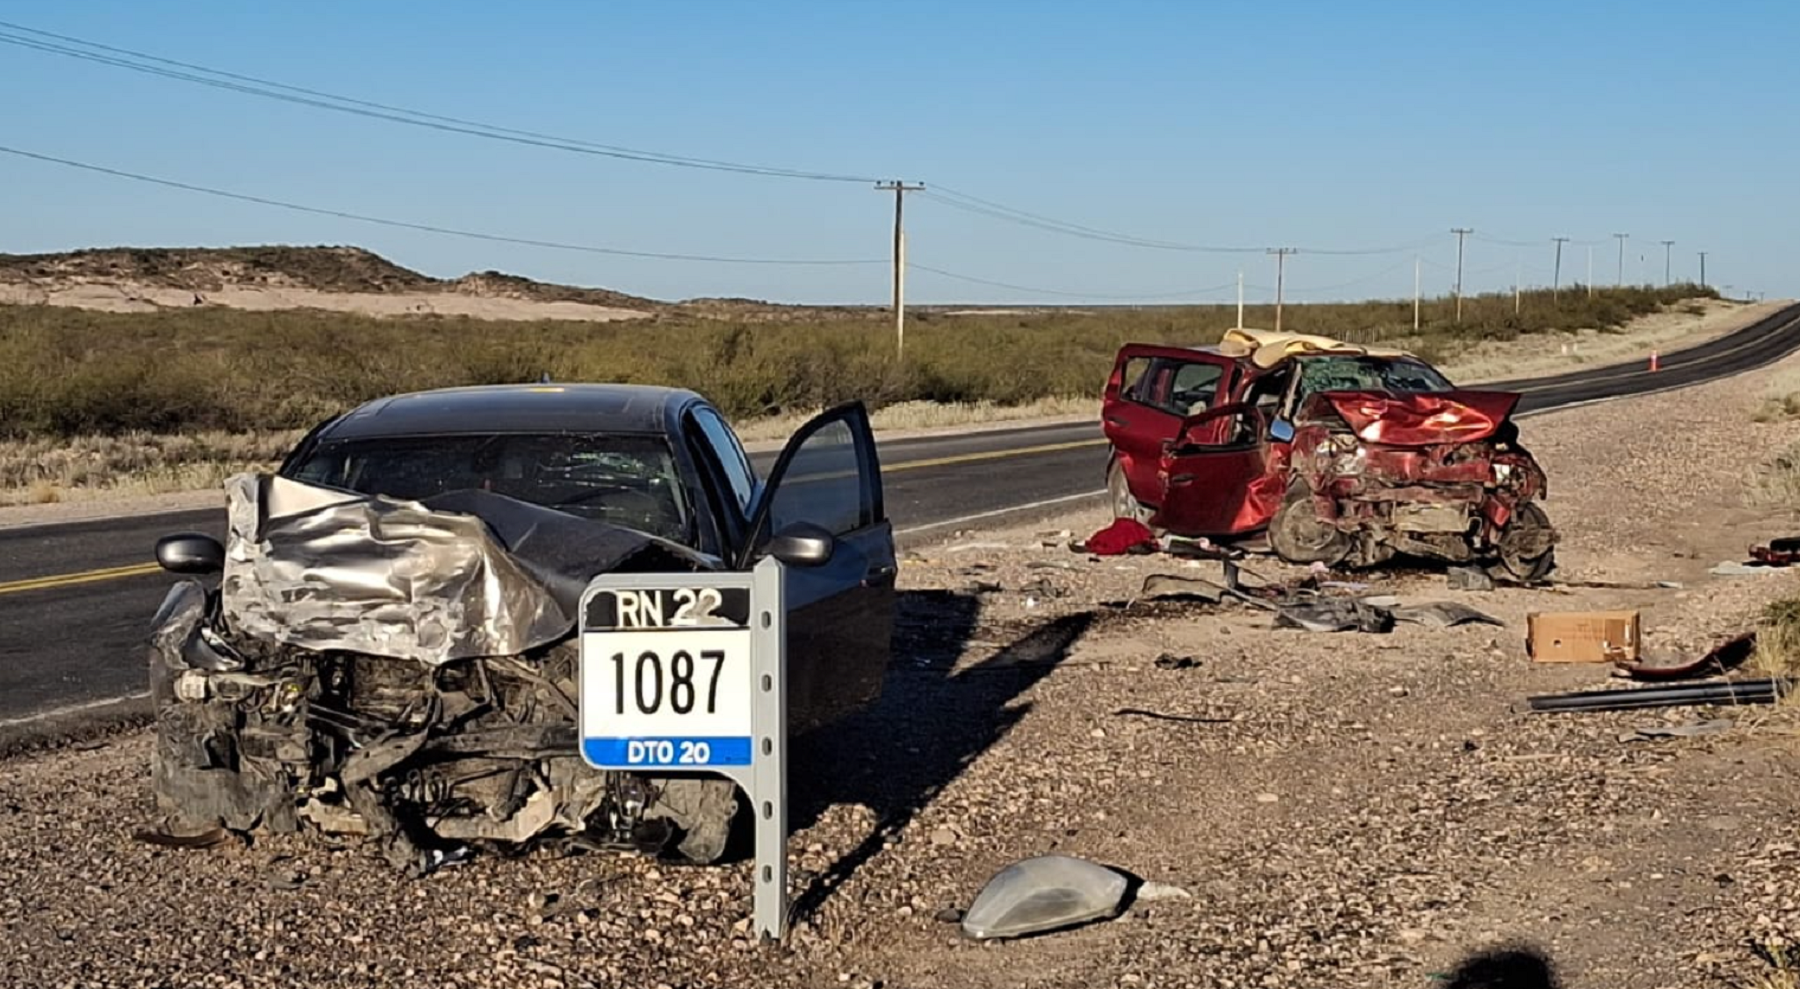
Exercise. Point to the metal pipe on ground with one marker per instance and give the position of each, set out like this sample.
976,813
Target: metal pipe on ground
1762,690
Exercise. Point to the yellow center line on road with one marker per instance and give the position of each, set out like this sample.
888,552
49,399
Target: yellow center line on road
85,577
143,569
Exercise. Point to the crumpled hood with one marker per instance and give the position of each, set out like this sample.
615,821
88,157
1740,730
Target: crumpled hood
1423,418
453,577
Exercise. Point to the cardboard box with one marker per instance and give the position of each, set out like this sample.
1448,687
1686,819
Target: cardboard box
1582,636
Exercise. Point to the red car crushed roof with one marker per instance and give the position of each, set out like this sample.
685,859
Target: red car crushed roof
1323,451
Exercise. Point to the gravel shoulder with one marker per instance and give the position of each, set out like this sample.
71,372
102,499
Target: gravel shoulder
1344,810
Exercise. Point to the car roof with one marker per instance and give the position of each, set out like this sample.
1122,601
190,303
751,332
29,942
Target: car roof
550,407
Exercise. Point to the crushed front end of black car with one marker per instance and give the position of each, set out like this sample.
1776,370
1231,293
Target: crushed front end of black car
407,672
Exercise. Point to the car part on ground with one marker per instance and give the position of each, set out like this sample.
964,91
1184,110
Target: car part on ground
1784,552
1722,658
1762,690
1047,893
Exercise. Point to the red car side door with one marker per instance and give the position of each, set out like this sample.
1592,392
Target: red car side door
1151,390
1215,478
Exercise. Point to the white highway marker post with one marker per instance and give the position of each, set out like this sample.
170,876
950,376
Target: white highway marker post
688,672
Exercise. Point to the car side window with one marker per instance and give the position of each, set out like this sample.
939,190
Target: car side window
1134,379
823,484
1180,388
1193,387
730,455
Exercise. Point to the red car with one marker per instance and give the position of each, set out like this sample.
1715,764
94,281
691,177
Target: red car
1322,451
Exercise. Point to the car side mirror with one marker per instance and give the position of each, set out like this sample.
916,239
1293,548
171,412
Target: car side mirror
802,544
1281,431
190,553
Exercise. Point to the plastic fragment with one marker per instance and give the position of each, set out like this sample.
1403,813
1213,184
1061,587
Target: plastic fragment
1042,894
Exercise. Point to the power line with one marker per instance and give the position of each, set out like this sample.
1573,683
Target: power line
269,89
426,227
985,207
1502,241
1074,230
1351,283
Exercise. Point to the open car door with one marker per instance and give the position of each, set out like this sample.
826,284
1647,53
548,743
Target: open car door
821,510
1214,476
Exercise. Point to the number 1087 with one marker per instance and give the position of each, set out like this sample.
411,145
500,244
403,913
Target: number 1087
676,680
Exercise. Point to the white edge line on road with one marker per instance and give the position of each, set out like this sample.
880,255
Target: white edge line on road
63,712
978,516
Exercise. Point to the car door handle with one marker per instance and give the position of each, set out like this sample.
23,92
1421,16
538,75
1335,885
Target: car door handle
1115,420
1180,479
880,575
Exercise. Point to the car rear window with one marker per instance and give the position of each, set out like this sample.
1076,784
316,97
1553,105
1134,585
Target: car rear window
625,480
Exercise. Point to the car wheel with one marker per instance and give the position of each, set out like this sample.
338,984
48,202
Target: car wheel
1119,496
1298,535
702,811
1528,544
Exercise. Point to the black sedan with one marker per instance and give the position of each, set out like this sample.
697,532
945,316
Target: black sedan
391,649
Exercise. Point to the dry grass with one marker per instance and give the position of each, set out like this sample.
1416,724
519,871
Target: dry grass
930,415
1783,399
100,404
1784,969
1778,639
42,471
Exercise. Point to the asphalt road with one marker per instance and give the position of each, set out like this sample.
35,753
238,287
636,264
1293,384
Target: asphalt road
71,634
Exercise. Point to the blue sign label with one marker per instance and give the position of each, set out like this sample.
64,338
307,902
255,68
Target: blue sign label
672,753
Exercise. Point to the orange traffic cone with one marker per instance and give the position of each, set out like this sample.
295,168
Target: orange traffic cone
1655,363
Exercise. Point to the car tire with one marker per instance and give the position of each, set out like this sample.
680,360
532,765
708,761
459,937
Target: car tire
1119,497
1298,535
1528,544
702,811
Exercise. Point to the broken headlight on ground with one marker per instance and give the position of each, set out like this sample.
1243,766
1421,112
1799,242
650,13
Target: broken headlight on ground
407,672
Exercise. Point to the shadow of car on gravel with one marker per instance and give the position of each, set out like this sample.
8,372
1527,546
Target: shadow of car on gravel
932,722
1515,967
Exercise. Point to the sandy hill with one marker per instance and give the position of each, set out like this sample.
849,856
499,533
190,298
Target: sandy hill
341,279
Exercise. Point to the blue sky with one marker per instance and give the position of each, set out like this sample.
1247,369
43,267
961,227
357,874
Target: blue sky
1316,125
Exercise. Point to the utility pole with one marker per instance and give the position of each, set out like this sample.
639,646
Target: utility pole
1590,282
1240,298
1460,233
1415,293
1702,269
1621,281
1518,289
899,189
1281,254
1556,279
1666,245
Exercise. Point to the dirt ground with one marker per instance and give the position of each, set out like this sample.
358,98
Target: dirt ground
1340,809
128,296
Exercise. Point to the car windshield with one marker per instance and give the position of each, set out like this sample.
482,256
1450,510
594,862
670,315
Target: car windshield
1350,373
621,479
